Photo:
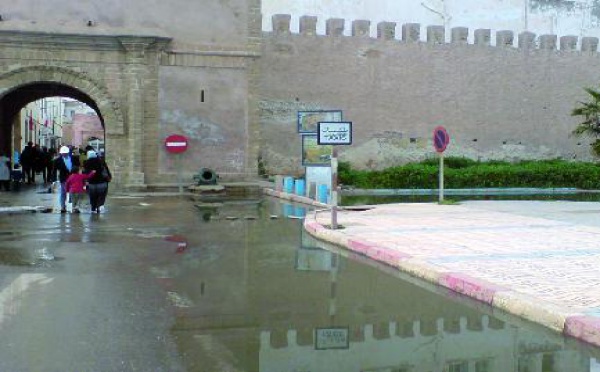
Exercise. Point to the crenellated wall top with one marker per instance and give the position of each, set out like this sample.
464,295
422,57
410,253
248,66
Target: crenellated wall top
412,33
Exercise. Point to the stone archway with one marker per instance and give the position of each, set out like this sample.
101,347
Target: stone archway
101,100
117,75
27,84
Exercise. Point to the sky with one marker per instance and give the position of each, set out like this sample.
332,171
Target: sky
561,17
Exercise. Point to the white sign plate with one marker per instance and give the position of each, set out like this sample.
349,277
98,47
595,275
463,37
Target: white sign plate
332,338
334,133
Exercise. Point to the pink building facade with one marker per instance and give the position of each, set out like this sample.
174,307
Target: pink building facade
83,128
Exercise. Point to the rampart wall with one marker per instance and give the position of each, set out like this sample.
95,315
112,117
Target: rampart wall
511,100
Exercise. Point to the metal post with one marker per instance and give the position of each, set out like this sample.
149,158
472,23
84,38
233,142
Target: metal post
441,180
334,186
179,177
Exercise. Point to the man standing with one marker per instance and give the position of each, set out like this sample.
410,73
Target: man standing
63,165
27,160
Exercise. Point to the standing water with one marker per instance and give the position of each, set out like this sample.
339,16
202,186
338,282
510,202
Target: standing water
170,284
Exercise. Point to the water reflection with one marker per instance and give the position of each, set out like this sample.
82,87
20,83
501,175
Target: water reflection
247,290
263,296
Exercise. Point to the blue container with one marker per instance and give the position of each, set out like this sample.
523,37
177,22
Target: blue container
323,194
300,212
288,210
300,187
288,185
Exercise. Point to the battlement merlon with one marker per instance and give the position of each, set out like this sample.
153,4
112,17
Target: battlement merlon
435,34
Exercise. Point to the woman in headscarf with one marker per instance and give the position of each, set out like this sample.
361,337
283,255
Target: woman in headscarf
98,183
5,168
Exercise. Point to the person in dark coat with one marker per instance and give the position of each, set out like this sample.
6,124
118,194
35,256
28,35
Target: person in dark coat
61,170
44,163
27,160
98,183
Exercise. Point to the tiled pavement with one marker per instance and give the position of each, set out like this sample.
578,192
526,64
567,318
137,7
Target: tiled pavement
538,260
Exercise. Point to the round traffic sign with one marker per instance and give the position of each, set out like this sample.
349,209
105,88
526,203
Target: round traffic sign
441,139
176,143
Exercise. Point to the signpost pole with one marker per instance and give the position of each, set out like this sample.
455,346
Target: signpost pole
179,177
441,183
334,187
177,144
334,133
441,139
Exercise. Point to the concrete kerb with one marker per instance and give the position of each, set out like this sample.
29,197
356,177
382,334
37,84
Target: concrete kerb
25,209
532,309
294,198
583,327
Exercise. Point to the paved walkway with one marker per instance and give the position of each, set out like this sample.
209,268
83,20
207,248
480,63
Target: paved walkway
537,260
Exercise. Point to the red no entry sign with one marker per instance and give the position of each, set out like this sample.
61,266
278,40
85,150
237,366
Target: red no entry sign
176,143
441,139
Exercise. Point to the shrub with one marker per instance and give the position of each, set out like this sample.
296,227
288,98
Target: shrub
465,173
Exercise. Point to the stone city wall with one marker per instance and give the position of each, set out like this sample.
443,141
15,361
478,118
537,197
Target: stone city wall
510,101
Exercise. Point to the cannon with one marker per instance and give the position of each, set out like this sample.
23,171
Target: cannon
206,176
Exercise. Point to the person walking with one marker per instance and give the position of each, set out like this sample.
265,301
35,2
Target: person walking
5,172
27,160
97,183
44,165
75,186
62,169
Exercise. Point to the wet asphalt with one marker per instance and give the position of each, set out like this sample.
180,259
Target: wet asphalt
171,283
76,293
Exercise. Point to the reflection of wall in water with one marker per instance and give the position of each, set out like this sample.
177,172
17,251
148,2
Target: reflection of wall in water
270,297
487,350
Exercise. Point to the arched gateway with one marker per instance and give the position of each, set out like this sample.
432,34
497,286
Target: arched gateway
20,86
115,75
149,72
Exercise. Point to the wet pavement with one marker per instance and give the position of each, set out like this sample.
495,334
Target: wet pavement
167,283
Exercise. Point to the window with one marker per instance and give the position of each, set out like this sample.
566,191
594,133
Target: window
483,366
457,367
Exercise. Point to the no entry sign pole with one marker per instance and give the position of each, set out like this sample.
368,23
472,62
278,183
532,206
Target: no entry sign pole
177,144
441,139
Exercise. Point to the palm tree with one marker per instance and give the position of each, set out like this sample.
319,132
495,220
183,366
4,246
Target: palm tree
590,126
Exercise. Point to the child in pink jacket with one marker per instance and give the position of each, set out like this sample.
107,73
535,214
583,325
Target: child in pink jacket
75,186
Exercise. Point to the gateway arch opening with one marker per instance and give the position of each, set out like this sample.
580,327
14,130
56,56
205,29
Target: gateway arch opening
46,116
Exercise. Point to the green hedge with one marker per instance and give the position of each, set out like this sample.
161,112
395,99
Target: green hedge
465,173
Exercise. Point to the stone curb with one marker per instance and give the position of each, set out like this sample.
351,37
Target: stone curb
580,326
25,209
295,198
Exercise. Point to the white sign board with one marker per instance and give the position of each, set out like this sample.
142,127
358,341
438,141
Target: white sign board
334,133
332,338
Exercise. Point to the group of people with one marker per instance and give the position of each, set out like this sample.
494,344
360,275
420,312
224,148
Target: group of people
75,174
75,179
35,159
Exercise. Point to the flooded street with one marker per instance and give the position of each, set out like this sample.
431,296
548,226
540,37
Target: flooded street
172,284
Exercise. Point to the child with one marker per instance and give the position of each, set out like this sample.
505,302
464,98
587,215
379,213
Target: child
17,177
75,186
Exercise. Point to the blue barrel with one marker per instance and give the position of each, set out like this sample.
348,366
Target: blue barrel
300,187
288,185
322,194
288,210
300,212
